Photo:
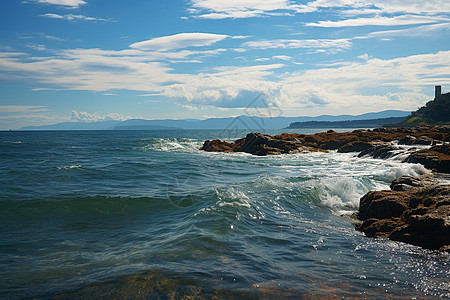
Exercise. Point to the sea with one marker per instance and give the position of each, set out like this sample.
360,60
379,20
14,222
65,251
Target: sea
147,215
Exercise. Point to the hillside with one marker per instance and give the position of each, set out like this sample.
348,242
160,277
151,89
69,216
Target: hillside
369,123
435,112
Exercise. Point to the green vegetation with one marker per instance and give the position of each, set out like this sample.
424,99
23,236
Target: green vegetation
435,112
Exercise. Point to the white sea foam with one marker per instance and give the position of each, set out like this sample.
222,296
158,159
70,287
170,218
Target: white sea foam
69,167
338,180
227,197
172,145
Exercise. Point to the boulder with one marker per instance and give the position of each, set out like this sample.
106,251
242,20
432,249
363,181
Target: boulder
216,146
418,212
407,182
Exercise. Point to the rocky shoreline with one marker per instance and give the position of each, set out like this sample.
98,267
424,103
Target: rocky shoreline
416,210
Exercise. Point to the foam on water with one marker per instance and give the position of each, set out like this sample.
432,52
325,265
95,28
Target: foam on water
171,145
99,214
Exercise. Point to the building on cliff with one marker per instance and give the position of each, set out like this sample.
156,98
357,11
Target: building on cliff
437,91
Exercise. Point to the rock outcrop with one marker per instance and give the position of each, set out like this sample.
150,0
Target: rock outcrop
260,144
377,143
416,210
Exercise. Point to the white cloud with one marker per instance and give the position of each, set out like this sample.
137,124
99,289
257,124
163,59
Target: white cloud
418,31
71,17
178,41
345,88
380,21
21,108
384,6
68,3
224,85
83,116
326,45
282,57
338,87
365,56
37,47
218,9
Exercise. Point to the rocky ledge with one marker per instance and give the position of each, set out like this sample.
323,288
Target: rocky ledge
416,211
378,143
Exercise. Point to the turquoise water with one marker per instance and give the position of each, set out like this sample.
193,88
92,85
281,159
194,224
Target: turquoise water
145,214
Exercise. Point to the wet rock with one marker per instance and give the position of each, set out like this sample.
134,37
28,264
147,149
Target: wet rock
357,146
380,150
407,140
216,146
265,144
407,182
436,158
377,143
418,214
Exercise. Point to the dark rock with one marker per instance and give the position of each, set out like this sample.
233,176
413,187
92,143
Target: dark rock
381,205
423,140
216,146
355,147
382,150
412,140
364,141
407,140
418,214
265,144
436,158
406,182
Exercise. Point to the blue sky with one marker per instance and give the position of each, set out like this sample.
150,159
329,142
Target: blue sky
90,60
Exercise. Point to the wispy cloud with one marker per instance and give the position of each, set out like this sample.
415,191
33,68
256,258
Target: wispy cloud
67,3
71,17
345,88
224,85
417,31
217,9
380,21
21,108
324,45
82,116
337,87
181,40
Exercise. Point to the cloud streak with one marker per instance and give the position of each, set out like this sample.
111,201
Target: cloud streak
323,45
71,17
83,116
380,21
181,40
67,3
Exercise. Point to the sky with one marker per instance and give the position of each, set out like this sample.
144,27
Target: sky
94,60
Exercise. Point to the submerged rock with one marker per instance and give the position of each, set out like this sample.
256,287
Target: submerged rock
417,212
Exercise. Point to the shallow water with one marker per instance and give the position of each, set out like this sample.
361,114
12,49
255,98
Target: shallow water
145,214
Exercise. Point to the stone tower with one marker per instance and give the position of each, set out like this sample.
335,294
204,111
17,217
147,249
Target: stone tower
437,91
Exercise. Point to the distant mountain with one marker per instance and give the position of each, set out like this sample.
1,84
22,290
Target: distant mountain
370,123
241,122
102,125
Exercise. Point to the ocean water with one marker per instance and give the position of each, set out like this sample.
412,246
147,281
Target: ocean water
146,215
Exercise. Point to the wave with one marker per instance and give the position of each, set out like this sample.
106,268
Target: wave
170,145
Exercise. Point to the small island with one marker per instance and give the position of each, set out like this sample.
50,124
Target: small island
417,209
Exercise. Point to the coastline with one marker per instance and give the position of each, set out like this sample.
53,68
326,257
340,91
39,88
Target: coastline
416,210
